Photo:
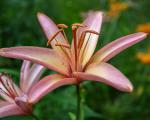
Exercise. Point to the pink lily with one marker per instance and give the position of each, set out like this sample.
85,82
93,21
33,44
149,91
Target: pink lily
78,60
19,100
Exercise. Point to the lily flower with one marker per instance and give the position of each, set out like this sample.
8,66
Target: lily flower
78,60
19,100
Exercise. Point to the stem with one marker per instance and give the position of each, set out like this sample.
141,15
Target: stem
80,102
35,117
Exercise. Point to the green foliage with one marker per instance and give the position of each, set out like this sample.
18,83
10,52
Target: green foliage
19,26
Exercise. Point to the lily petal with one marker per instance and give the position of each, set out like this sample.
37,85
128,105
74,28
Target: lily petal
33,77
115,47
46,85
93,22
44,56
50,28
107,74
10,110
7,98
24,72
3,103
6,85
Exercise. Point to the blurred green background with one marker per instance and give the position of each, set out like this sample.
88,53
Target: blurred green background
19,26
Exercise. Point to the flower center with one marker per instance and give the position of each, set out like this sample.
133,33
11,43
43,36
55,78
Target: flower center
78,41
7,86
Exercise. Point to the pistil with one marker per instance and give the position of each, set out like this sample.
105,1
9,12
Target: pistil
74,30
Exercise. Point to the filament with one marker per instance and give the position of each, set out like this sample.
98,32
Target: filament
8,85
81,40
53,37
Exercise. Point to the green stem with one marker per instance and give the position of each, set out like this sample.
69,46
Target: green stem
35,117
80,102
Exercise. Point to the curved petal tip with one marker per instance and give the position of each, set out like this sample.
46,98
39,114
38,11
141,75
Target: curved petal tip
40,14
129,88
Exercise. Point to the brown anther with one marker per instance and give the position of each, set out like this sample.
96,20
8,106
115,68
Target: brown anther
62,45
74,27
91,31
62,26
52,38
79,25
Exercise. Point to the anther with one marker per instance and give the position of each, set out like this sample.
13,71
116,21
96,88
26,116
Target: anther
74,27
62,45
62,26
79,25
52,38
91,31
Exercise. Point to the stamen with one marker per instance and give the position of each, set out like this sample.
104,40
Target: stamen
74,27
81,40
92,31
8,85
79,25
62,26
62,44
86,45
53,37
74,31
65,52
3,83
3,92
12,87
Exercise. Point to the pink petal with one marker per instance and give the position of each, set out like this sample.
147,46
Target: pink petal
10,110
7,81
115,47
46,85
33,77
43,56
24,72
93,22
50,28
3,103
5,97
107,74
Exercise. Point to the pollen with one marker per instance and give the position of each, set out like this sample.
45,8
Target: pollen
62,26
79,25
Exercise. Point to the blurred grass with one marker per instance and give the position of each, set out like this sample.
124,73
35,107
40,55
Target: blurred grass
19,26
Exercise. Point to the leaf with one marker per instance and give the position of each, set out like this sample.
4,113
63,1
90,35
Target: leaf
72,116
